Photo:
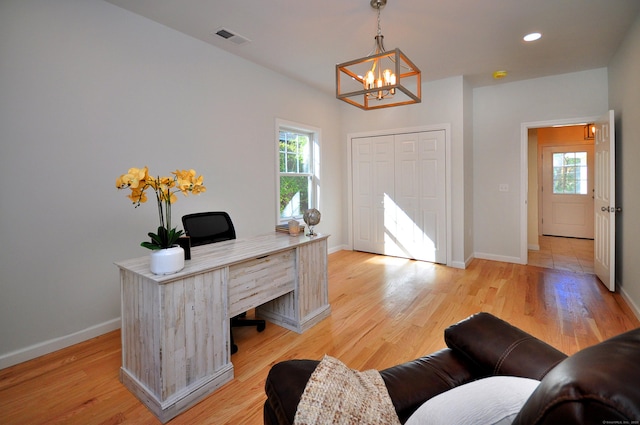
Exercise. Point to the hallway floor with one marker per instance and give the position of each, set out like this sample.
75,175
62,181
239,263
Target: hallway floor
570,254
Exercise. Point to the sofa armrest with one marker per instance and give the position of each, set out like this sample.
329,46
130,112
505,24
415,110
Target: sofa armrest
598,384
498,348
284,387
409,384
412,383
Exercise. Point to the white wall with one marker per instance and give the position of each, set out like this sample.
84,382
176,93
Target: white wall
89,90
624,99
499,112
442,103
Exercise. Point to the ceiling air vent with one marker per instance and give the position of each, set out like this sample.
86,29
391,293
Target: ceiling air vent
229,35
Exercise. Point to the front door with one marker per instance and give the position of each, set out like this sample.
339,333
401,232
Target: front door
567,191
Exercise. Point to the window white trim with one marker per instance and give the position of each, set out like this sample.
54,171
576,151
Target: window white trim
315,132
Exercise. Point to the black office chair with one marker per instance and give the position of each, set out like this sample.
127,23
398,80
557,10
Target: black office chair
210,227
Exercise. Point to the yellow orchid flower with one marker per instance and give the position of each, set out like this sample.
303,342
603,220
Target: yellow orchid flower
165,188
138,195
188,182
136,176
198,187
133,178
183,178
184,174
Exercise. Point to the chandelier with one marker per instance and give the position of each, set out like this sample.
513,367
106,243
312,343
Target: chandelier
381,79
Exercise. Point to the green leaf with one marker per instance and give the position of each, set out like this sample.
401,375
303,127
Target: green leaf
162,239
155,238
151,246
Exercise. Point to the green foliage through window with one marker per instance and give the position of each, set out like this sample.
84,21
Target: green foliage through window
295,173
570,173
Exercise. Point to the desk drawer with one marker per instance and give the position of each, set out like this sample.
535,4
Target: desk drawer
255,282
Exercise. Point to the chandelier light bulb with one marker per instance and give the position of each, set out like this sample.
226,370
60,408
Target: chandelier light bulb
387,76
369,80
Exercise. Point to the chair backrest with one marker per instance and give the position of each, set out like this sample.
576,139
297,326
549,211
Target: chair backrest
208,227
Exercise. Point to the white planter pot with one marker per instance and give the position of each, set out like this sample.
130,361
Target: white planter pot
167,261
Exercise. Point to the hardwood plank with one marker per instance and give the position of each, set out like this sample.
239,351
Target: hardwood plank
384,311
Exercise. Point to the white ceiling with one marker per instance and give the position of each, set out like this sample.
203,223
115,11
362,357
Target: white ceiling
304,39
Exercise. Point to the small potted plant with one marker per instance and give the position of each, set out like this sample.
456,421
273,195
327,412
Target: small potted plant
167,257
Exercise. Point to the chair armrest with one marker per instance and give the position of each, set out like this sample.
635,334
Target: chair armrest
498,348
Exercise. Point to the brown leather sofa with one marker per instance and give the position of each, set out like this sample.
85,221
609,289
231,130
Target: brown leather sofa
600,384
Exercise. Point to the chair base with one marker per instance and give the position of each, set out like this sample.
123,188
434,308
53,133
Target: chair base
239,321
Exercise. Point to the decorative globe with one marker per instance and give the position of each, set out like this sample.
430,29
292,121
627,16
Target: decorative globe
311,217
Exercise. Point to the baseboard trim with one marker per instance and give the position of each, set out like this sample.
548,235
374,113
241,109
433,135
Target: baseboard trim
457,265
632,305
468,261
55,344
337,248
493,257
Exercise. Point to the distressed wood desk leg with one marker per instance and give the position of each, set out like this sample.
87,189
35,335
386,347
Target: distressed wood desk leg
175,340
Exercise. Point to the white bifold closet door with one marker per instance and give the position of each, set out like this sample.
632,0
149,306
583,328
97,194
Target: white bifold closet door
399,205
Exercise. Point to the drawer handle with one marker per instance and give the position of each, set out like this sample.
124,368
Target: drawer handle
260,258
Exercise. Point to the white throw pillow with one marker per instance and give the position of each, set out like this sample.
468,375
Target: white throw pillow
489,401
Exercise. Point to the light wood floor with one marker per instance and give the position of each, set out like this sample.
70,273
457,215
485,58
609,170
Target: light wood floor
385,311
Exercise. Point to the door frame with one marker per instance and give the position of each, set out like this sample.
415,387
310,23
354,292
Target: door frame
524,171
387,132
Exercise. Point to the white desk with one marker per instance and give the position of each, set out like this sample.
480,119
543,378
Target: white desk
175,328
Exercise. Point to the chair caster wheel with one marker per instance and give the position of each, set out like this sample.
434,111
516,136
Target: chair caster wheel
261,328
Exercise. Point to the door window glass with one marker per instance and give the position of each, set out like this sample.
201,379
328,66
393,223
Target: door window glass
570,173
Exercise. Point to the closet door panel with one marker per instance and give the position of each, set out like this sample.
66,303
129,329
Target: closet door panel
420,185
372,168
399,200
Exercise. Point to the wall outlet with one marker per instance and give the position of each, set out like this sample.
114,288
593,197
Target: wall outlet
503,187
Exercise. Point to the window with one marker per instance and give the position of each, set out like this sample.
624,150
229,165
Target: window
570,173
298,156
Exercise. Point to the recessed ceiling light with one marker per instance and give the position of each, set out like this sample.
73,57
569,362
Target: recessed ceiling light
532,37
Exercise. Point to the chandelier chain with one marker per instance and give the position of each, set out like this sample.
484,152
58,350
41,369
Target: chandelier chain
378,45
